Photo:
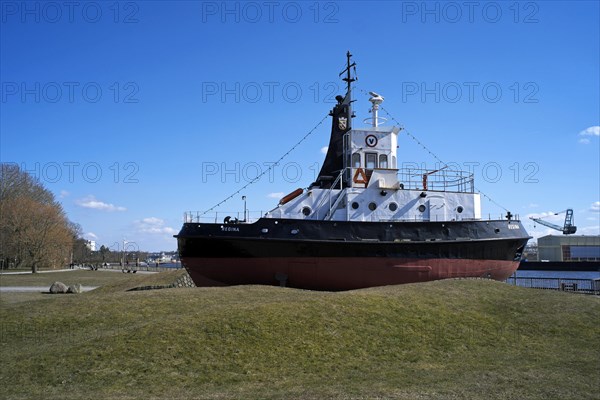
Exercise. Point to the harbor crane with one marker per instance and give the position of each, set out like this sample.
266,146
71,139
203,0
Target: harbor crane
567,229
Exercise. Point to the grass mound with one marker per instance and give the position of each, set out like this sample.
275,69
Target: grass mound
436,340
141,280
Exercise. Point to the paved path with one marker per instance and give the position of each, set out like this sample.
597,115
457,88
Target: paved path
39,272
22,289
72,270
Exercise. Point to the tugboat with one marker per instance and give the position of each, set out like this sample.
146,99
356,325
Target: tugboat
364,222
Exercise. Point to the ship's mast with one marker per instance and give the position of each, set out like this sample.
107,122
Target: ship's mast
349,79
341,123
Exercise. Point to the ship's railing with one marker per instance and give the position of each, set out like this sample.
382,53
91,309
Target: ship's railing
418,217
437,180
220,216
253,216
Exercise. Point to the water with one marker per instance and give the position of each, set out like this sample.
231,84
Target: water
574,281
166,265
558,274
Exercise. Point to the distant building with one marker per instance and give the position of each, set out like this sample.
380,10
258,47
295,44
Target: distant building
530,253
91,245
569,248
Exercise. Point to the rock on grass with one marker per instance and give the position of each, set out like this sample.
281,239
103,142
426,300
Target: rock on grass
58,287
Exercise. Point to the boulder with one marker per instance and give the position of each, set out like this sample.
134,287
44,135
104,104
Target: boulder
58,287
76,288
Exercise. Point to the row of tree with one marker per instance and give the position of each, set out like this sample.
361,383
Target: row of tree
82,254
34,230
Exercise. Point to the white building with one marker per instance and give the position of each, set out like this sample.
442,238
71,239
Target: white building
91,245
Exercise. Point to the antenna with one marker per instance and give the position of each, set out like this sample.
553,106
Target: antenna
348,79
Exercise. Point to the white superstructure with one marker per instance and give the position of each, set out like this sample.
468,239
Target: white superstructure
371,187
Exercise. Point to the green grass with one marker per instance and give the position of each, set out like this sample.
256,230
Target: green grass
116,279
456,339
108,281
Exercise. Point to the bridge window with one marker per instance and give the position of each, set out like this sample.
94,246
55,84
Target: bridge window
371,160
383,161
356,160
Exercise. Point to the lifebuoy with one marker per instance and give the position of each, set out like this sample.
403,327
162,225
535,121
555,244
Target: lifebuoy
360,177
291,196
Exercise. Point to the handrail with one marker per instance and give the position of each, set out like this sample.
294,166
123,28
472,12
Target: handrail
328,196
437,180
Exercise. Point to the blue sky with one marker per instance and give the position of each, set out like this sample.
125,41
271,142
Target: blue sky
134,112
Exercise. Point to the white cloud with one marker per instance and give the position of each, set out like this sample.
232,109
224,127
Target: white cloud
91,236
595,206
153,225
591,131
324,149
533,205
588,230
276,195
93,203
63,194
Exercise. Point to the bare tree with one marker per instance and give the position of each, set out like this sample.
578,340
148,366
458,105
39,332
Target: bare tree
34,230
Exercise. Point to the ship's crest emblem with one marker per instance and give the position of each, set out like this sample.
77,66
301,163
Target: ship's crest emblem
342,123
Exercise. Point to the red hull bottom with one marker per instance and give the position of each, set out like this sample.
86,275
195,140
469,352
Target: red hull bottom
339,273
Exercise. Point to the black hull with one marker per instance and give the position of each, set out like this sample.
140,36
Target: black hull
333,255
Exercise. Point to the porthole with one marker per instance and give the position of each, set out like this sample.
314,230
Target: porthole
422,208
354,205
372,206
393,207
459,209
306,211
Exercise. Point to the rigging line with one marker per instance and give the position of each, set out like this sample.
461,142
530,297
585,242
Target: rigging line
273,165
413,137
430,152
437,158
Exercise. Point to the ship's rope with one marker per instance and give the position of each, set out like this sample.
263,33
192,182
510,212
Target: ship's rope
263,173
413,137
